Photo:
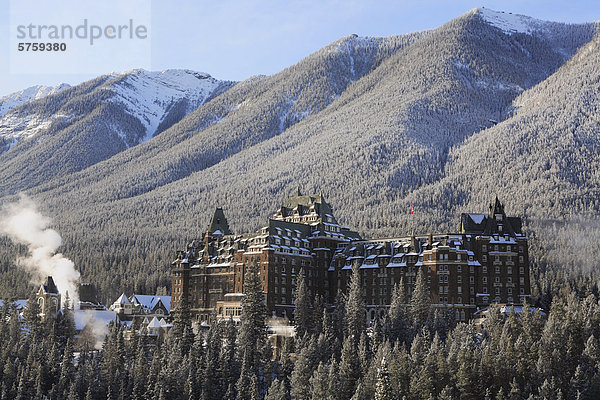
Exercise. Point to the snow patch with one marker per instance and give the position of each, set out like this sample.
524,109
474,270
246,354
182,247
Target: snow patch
147,95
512,23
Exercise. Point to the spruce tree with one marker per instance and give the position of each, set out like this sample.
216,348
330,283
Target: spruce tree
355,309
349,370
420,302
277,391
319,382
302,307
396,323
301,375
31,315
383,387
253,344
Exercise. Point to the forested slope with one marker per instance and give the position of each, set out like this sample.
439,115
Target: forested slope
442,120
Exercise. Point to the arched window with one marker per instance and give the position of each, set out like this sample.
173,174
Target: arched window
41,303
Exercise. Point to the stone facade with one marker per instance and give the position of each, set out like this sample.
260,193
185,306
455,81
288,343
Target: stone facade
486,262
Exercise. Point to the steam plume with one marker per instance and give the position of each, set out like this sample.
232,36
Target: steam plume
22,222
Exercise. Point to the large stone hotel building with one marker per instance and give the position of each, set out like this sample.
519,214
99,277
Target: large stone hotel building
486,262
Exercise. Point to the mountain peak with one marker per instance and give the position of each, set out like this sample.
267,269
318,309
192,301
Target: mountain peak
15,99
511,23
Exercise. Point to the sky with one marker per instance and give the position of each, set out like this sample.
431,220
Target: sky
234,40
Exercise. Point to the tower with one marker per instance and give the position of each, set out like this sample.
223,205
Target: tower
48,297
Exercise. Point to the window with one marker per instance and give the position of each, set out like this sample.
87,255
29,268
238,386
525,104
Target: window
509,270
497,270
459,279
521,270
471,280
497,279
484,280
485,269
522,281
459,289
509,291
509,279
484,248
459,267
484,258
471,290
497,291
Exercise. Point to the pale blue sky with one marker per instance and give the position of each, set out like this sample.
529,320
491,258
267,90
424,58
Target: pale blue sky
237,39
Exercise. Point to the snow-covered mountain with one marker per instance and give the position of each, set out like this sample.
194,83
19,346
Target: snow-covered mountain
150,96
513,23
13,100
378,125
153,98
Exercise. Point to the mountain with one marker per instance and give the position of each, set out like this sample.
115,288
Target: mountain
439,120
13,100
71,129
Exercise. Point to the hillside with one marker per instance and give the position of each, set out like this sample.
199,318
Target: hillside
442,120
71,129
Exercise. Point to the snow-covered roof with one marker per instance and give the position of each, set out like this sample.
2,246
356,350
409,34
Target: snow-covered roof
149,301
477,218
122,300
20,304
154,323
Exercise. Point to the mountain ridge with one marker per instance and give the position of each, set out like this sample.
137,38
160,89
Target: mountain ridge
378,124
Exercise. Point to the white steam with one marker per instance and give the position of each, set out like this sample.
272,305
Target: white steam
93,326
22,222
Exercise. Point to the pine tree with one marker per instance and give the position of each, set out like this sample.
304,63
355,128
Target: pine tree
182,321
420,302
349,370
397,321
319,382
301,375
355,309
277,391
253,344
302,309
383,388
31,315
